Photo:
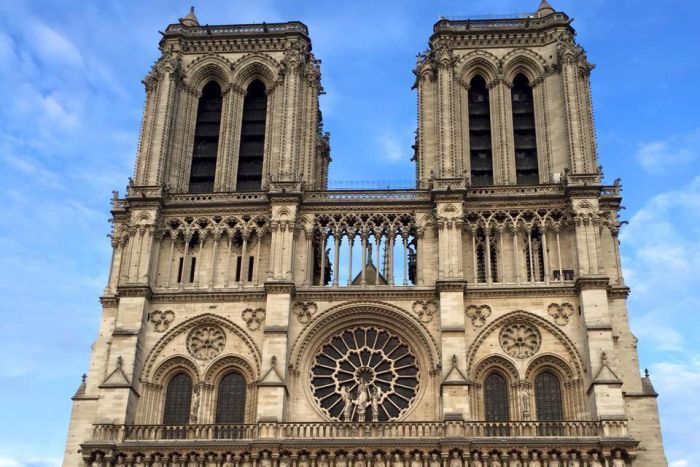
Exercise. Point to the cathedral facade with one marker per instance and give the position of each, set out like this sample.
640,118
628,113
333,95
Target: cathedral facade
255,318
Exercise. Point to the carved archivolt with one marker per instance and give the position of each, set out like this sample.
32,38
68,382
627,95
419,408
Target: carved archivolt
478,314
173,364
226,363
206,342
161,319
185,327
510,219
478,62
560,312
256,66
304,311
526,61
520,339
425,309
253,317
215,226
369,224
206,68
494,362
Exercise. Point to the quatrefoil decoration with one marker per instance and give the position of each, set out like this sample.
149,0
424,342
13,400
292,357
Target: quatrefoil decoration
253,318
560,313
478,314
161,319
425,310
304,311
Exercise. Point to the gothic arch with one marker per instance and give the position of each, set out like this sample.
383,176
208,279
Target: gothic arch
494,363
527,316
229,362
347,314
255,66
553,363
175,364
478,62
525,61
185,327
207,68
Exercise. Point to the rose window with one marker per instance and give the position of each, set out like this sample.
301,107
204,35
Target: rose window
364,374
206,342
520,340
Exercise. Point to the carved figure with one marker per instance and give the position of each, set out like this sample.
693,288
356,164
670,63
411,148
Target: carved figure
157,461
379,460
618,461
525,399
435,460
265,460
322,460
496,460
120,461
396,460
303,461
416,461
246,461
211,460
284,460
341,460
348,403
195,405
476,460
374,395
514,460
360,460
138,462
362,401
553,460
595,460
573,460
228,461
97,461
535,460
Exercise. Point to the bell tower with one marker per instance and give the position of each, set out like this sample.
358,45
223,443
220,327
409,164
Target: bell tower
232,108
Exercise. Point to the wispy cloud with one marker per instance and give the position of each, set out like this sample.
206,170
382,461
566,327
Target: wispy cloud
669,155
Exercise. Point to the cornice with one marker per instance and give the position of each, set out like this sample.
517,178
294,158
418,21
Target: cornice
592,283
280,287
189,296
365,293
521,291
135,290
450,285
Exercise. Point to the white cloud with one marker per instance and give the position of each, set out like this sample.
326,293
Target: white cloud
52,46
30,462
391,148
666,156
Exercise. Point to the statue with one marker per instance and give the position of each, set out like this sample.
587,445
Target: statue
192,461
195,405
525,400
97,461
138,462
396,460
245,462
496,460
120,461
347,400
514,460
157,461
535,460
435,460
265,460
360,460
476,460
211,460
284,460
228,461
416,461
341,460
618,461
303,460
374,395
553,460
595,460
573,460
362,401
322,460
379,460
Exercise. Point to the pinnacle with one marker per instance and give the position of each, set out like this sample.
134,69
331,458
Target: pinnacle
190,20
545,8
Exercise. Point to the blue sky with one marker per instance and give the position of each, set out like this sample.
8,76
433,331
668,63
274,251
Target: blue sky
71,107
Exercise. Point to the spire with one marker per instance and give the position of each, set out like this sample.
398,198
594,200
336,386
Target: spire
647,387
544,9
81,389
190,20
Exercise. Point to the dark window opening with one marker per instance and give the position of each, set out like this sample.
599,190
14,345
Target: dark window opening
548,397
480,133
239,262
535,261
251,263
193,265
496,398
481,256
524,135
250,154
179,270
206,139
230,400
178,398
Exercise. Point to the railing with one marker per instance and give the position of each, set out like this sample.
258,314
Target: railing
520,21
293,26
375,430
185,198
367,195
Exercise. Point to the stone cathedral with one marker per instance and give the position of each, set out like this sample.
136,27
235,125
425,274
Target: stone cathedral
253,317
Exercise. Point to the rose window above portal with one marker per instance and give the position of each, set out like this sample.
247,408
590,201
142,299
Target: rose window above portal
364,374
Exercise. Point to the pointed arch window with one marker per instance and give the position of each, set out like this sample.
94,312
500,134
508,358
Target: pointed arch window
178,398
206,139
481,155
548,397
496,398
231,399
524,136
250,155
